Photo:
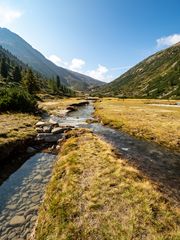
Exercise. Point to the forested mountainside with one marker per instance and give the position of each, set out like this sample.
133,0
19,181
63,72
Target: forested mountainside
158,76
28,55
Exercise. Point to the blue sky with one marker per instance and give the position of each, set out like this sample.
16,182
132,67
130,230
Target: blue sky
100,38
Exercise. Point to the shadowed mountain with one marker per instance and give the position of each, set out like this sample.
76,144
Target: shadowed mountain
28,55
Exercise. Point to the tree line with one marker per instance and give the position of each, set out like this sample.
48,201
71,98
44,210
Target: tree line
19,85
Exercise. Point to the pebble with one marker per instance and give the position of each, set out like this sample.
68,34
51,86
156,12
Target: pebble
17,220
35,198
38,178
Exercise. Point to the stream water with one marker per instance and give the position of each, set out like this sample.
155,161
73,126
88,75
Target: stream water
22,192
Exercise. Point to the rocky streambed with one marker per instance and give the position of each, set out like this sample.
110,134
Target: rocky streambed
22,193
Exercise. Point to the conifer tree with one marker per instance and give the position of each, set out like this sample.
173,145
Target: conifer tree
17,75
58,82
4,68
29,81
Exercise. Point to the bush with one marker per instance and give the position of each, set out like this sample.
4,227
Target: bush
16,99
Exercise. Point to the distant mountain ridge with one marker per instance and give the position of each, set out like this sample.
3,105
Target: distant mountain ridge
28,55
158,76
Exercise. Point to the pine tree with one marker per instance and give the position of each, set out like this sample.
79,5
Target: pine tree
4,68
58,82
17,75
29,81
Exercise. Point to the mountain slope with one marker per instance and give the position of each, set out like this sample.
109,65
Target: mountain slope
27,54
156,76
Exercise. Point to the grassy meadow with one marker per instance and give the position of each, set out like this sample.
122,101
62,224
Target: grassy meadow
160,124
16,126
93,194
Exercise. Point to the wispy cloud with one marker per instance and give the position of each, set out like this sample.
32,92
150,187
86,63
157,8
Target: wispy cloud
168,40
101,72
8,15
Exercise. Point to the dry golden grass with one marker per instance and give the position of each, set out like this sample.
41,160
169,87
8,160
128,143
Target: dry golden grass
54,105
94,195
17,126
160,124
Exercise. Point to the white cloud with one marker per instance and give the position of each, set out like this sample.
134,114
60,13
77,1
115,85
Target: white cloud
77,64
8,15
55,59
168,40
99,73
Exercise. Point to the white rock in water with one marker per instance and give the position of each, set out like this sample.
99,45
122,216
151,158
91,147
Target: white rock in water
47,129
125,149
41,124
53,122
57,130
39,129
38,178
17,220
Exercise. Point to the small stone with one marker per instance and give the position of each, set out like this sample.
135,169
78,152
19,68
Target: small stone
31,150
53,122
12,235
58,147
39,129
57,130
47,129
40,124
52,139
17,220
35,198
38,178
24,195
46,172
125,149
11,207
29,217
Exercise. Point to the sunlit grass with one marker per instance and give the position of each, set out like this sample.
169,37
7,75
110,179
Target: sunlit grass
95,195
17,126
160,124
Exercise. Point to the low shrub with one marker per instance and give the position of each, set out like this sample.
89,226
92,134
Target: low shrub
16,99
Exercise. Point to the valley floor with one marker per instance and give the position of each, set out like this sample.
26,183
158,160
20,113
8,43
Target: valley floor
94,194
153,120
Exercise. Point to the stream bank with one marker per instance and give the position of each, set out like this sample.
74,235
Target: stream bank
21,192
